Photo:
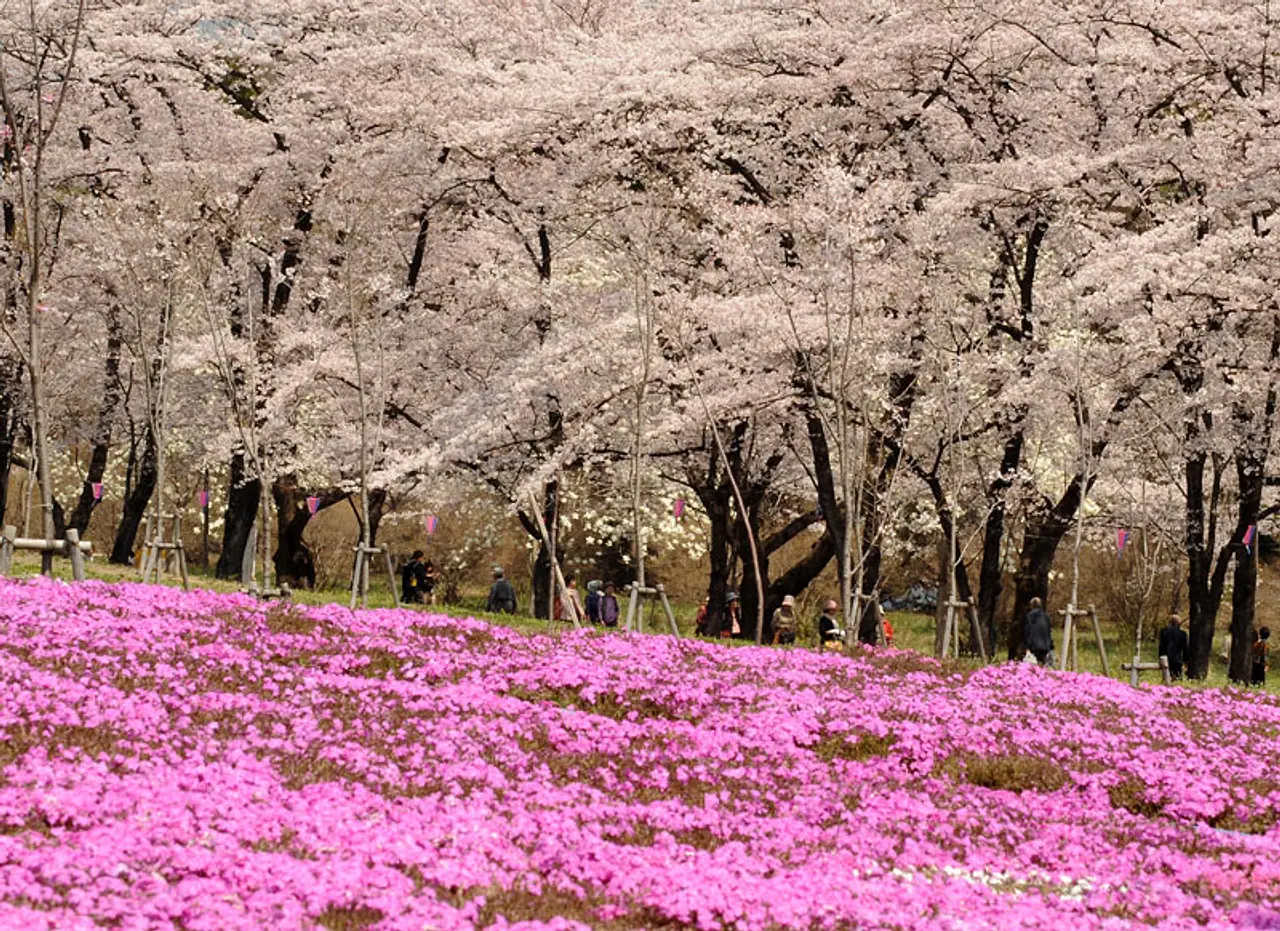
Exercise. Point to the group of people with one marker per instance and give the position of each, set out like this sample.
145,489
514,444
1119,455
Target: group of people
418,580
1173,643
601,607
785,623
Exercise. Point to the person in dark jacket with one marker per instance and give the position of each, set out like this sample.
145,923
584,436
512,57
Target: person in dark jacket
1259,651
1037,632
593,603
502,595
413,580
1173,644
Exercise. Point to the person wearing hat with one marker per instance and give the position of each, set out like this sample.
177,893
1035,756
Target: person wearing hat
829,633
502,594
784,622
733,616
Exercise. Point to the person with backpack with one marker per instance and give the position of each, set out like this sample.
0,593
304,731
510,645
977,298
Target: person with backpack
1260,650
609,606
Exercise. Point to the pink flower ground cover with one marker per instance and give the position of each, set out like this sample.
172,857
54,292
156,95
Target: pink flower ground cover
196,761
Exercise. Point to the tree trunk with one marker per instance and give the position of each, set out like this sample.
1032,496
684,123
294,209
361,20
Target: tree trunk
10,422
238,519
991,569
1040,541
293,559
1205,582
714,493
1250,466
135,503
112,395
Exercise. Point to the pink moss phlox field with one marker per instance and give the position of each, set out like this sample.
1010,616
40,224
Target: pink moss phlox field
199,761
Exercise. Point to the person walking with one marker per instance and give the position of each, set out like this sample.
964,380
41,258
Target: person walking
1037,633
609,606
784,622
1173,645
1260,650
413,580
502,594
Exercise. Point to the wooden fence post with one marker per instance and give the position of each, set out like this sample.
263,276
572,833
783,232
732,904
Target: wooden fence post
6,549
76,554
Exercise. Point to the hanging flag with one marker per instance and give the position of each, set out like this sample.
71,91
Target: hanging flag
432,522
202,496
1249,533
678,508
97,491
313,505
1122,537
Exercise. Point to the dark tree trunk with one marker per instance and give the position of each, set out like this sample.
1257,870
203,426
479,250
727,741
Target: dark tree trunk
10,423
991,569
1045,529
377,510
135,503
242,509
293,559
112,394
1206,581
542,575
1249,474
715,501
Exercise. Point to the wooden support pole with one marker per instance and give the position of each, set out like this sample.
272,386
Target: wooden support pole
666,606
950,629
76,554
6,548
557,578
1102,647
391,576
633,607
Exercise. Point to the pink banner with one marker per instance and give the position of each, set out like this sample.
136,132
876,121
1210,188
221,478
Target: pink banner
97,491
1250,532
313,505
678,508
1122,537
202,497
432,523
